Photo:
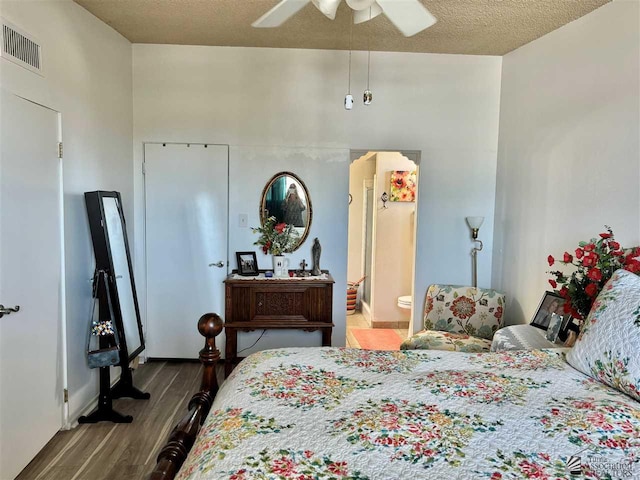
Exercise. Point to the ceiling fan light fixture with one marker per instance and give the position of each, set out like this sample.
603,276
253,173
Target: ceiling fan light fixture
361,16
348,98
360,4
327,7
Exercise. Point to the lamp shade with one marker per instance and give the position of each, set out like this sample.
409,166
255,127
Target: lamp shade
475,222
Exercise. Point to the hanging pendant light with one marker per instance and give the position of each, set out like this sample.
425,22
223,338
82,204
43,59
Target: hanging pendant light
348,98
368,96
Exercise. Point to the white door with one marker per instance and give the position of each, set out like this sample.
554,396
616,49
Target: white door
30,266
186,241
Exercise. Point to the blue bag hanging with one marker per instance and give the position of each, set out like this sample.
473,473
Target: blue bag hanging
103,345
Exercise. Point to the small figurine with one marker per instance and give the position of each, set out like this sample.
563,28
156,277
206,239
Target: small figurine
315,252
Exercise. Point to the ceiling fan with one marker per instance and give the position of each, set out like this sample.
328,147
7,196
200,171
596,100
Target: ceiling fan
409,16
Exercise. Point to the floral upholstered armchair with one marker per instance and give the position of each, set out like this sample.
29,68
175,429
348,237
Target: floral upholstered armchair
458,318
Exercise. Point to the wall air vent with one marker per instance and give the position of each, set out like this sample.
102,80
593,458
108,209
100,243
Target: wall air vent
20,48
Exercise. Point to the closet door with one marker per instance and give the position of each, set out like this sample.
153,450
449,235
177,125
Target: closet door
30,277
186,243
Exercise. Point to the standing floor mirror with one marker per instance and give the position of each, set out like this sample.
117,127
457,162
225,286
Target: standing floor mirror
111,249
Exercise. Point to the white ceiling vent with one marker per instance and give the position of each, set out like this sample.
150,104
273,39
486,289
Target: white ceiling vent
21,48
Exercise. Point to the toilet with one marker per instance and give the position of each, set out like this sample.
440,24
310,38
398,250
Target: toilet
405,302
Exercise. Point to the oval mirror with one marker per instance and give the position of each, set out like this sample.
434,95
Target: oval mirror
286,197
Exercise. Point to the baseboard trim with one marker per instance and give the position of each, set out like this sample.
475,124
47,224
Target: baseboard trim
366,312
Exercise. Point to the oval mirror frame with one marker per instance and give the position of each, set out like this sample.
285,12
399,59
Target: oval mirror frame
306,212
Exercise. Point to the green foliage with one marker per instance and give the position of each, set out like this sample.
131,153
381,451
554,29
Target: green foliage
276,238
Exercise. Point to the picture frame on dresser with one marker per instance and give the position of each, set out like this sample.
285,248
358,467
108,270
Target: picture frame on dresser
247,264
550,303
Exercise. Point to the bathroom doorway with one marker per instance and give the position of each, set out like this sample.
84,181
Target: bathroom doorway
383,190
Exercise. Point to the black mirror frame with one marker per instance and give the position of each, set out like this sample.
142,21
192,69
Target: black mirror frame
104,261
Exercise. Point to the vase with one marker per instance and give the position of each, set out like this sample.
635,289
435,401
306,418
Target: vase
280,266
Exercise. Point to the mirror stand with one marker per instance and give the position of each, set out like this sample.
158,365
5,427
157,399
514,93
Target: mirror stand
117,301
105,412
125,387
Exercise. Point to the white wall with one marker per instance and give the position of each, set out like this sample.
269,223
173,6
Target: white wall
446,106
87,77
364,168
394,232
329,223
569,148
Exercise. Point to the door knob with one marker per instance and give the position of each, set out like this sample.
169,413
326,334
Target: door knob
219,264
6,311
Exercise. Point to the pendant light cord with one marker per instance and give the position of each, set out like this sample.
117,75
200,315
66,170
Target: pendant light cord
369,49
368,68
350,48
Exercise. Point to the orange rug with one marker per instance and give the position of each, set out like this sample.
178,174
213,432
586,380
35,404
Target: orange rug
377,338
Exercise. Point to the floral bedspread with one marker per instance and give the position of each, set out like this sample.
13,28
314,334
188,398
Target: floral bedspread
338,413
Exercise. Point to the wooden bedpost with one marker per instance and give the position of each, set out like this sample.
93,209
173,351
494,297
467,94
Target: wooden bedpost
210,325
175,451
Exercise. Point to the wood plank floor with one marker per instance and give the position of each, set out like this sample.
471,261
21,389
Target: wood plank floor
106,451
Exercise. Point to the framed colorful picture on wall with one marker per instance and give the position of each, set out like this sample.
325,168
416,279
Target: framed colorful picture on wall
403,186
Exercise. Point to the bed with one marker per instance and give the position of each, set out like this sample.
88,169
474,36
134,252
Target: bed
339,413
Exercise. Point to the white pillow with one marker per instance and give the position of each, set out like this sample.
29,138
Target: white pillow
608,347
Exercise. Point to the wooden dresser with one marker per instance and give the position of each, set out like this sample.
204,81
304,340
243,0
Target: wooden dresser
268,303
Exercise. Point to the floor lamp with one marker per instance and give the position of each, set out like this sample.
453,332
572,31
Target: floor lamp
474,224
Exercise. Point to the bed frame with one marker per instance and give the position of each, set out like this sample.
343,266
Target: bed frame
175,451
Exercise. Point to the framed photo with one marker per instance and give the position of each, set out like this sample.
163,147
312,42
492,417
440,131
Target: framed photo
551,303
247,263
555,323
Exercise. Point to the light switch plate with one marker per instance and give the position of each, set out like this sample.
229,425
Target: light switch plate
243,220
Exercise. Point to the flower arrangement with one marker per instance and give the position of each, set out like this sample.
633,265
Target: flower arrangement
276,238
594,262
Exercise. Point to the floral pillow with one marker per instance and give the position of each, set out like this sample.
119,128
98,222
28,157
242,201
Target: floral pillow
608,347
472,311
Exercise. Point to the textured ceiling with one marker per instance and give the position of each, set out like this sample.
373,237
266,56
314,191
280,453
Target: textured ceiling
481,27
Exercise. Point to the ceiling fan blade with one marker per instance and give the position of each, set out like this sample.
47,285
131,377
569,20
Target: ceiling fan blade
409,16
361,16
327,7
280,13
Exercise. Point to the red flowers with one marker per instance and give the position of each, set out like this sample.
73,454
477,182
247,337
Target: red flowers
591,289
594,274
280,227
632,265
591,267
